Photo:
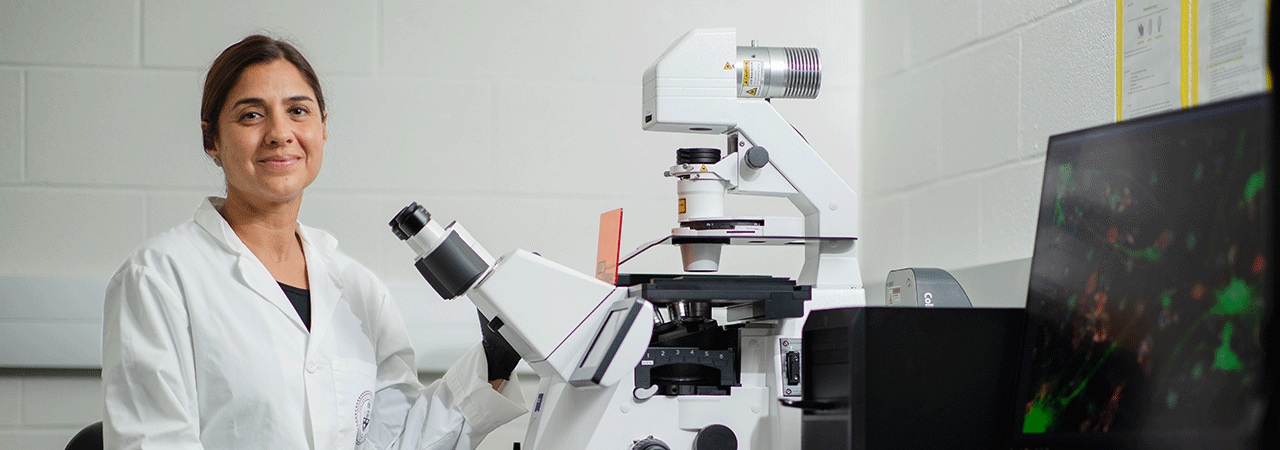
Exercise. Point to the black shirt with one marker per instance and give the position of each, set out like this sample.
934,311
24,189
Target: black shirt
301,299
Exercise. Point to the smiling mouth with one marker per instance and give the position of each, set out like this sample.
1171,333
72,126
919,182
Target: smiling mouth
279,162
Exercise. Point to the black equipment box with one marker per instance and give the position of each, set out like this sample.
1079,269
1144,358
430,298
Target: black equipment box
904,378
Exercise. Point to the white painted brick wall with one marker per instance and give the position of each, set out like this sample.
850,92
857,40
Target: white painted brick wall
68,232
979,96
1068,73
957,120
337,36
937,27
43,410
69,32
10,401
10,126
1003,16
114,127
518,118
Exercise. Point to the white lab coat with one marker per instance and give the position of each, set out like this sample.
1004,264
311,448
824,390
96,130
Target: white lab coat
201,349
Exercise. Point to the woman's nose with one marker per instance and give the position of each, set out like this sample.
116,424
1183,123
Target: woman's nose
278,131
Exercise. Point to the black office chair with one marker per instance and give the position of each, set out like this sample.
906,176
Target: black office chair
90,438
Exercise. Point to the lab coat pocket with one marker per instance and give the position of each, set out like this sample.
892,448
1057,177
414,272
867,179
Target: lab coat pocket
354,381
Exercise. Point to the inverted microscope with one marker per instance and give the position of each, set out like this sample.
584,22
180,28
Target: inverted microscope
643,363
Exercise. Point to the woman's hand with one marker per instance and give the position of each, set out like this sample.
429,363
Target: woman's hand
502,358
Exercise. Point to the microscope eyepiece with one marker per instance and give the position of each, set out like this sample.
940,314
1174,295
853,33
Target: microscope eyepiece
409,221
697,156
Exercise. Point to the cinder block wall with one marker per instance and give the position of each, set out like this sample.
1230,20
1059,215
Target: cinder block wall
519,118
960,99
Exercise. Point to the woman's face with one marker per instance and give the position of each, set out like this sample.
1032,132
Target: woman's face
271,134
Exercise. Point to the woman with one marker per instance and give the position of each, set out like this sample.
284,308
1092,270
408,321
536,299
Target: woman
244,329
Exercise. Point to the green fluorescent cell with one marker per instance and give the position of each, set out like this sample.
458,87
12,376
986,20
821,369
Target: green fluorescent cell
1154,178
1058,216
1038,419
1255,184
1064,179
1197,371
1191,241
1224,358
1114,200
1233,299
1199,171
1150,254
1166,298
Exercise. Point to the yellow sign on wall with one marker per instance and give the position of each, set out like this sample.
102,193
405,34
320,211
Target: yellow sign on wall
1180,53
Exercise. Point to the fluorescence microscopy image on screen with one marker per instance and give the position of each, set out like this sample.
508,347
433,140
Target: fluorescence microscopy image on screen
1146,296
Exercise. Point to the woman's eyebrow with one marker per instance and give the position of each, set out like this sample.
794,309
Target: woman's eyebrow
249,101
259,101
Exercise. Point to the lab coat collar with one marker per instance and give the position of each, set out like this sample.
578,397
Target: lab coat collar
317,246
326,284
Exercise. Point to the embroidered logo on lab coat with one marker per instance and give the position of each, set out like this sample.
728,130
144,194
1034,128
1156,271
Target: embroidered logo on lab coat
364,414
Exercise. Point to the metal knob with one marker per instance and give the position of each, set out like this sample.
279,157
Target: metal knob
715,437
650,443
757,157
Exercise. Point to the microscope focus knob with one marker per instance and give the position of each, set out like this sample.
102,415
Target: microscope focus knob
650,443
757,157
715,437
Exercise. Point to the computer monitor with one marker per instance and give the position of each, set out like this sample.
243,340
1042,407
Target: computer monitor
1149,283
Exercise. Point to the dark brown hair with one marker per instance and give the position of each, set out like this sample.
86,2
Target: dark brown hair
226,69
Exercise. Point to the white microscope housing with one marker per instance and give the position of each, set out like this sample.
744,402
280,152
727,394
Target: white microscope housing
646,365
706,84
552,315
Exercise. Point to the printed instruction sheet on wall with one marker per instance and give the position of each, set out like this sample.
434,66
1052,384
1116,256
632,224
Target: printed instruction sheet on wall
1181,53
1149,63
1229,56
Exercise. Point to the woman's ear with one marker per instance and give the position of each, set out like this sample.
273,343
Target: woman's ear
204,134
213,151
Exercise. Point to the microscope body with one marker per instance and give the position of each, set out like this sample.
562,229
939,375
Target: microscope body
705,383
683,361
700,383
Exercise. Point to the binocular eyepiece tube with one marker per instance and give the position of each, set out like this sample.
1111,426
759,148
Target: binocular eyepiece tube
448,263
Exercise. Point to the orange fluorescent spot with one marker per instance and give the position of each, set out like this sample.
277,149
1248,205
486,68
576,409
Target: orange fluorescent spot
1092,284
1113,235
1197,291
1259,264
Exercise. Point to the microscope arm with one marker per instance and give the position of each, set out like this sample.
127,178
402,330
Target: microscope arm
828,204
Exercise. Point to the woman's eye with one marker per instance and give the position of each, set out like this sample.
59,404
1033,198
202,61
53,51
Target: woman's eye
250,115
298,111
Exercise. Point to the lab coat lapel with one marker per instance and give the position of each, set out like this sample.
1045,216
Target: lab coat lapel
326,288
249,270
255,275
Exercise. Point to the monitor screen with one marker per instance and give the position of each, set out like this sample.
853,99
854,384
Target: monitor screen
1146,299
